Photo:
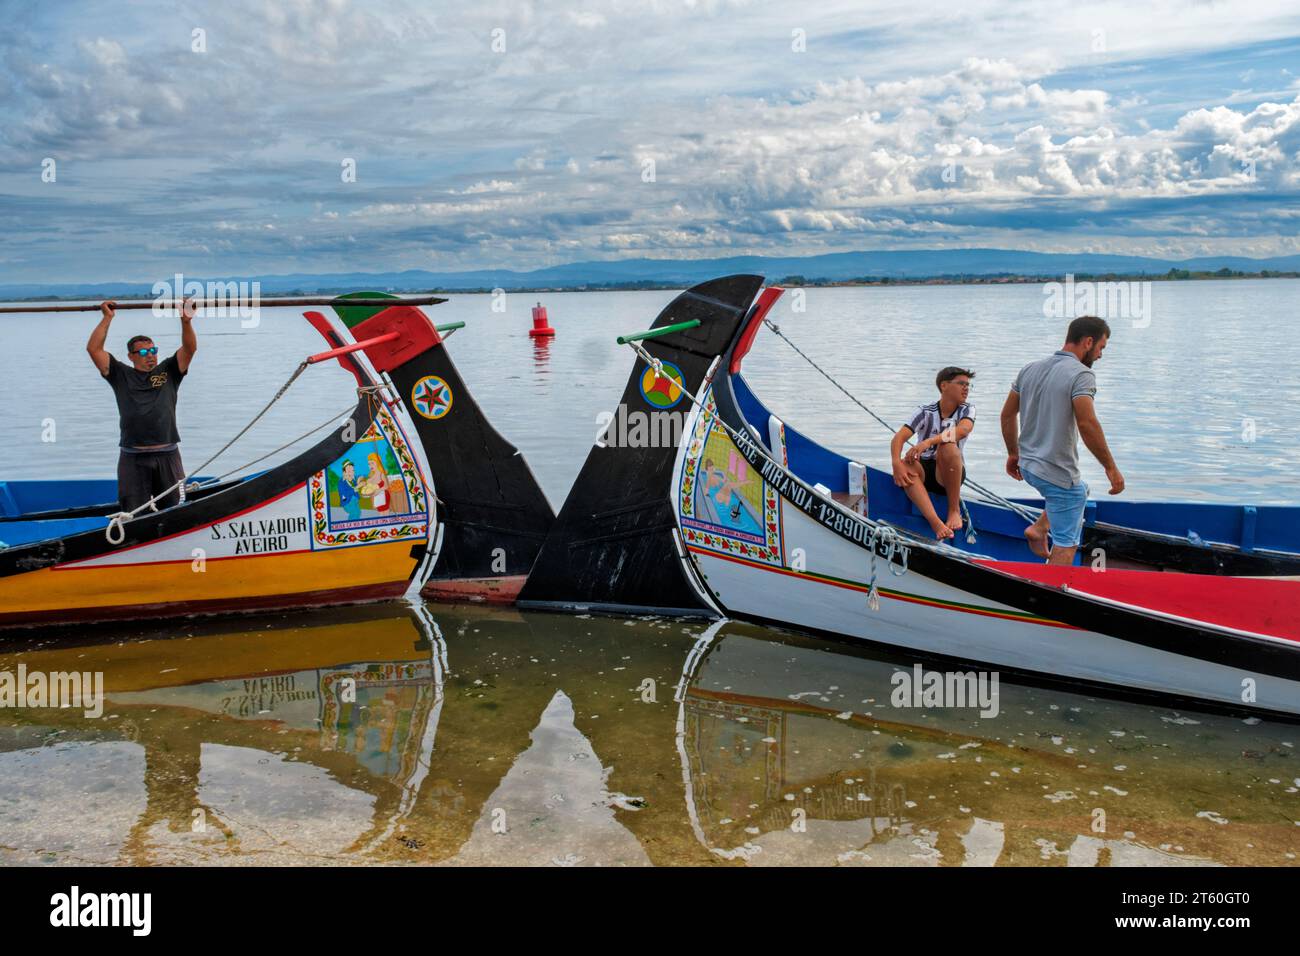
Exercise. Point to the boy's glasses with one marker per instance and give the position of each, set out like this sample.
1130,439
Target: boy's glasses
150,351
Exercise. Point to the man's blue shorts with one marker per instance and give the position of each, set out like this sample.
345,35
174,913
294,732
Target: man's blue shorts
1064,508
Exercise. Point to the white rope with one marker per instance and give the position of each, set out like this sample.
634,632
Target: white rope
115,524
1028,514
880,536
886,533
195,486
115,533
362,390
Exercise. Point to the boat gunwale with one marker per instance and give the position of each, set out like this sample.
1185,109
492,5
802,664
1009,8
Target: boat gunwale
190,515
1283,561
105,509
1142,626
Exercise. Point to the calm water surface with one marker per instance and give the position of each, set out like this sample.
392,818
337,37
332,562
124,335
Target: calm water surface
479,736
1175,397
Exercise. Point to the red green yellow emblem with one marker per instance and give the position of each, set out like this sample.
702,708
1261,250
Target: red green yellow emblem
663,391
431,397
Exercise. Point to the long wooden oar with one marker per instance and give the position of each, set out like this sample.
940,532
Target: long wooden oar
232,303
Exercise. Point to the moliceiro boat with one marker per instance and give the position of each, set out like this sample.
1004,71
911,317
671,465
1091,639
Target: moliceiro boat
378,509
492,514
614,544
1191,537
771,527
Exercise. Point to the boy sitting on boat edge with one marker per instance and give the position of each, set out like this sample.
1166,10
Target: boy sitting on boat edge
936,463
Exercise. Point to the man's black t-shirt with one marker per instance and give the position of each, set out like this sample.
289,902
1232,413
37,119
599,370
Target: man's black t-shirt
146,402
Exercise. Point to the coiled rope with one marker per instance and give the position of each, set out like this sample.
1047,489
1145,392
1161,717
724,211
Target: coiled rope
883,535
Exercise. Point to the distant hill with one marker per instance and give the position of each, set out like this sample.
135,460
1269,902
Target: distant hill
909,264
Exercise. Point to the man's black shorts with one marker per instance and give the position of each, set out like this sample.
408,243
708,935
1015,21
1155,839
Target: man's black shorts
141,475
931,482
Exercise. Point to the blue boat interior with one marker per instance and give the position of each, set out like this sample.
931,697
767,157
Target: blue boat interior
999,531
42,510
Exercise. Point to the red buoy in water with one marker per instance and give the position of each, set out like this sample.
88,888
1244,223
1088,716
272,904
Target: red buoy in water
541,327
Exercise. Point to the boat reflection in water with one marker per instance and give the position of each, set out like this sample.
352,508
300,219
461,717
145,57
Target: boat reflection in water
355,735
261,742
796,754
474,735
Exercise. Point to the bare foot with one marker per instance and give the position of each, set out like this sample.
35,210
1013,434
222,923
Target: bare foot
1037,541
941,530
954,521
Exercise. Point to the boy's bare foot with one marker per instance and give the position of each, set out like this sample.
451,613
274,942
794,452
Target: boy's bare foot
954,521
941,530
1037,541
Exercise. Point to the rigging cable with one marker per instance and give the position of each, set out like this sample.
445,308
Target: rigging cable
115,533
884,537
1029,514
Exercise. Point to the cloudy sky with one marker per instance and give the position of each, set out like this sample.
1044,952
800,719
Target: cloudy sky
524,134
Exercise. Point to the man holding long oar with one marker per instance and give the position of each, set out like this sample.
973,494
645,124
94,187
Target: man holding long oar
150,459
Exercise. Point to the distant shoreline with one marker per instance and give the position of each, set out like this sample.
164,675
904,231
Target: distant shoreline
790,281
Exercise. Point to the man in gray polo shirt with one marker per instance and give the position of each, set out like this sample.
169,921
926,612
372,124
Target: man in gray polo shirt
1053,399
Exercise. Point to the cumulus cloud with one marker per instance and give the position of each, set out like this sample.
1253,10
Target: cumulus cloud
636,128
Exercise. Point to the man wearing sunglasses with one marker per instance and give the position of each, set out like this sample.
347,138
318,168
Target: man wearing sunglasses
150,458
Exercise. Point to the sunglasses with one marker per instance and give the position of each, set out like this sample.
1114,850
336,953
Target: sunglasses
152,351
